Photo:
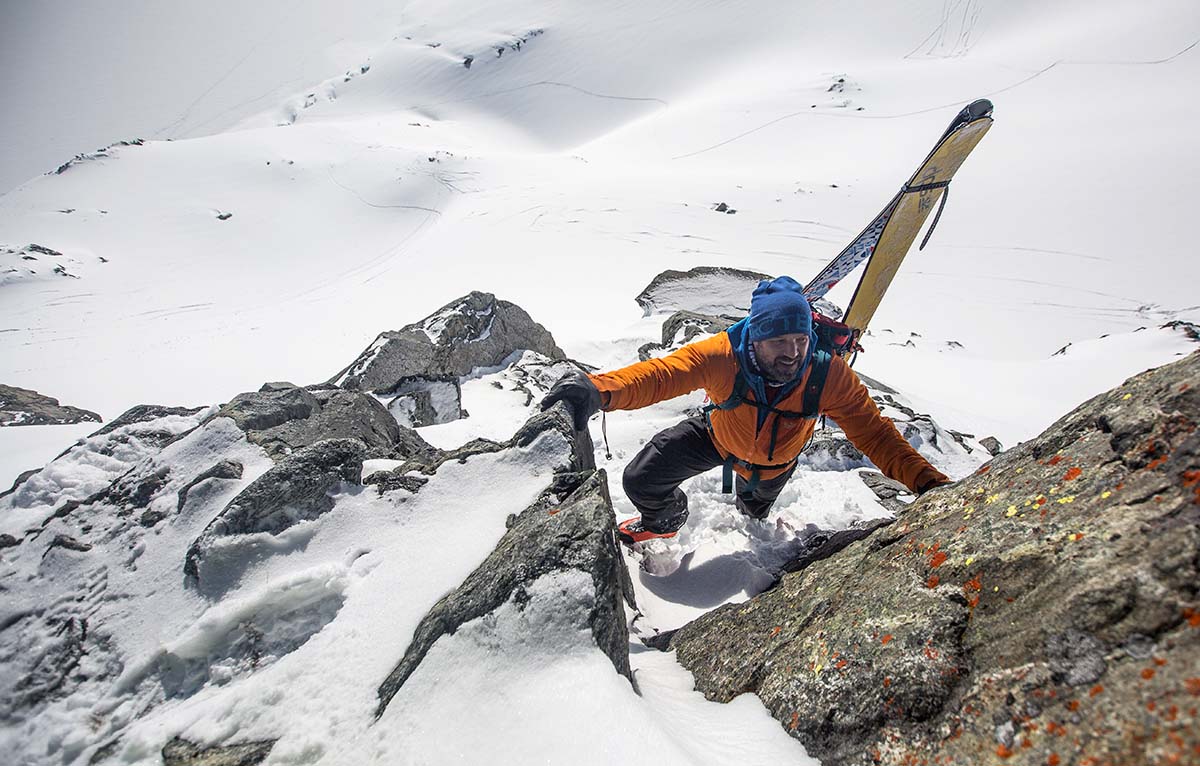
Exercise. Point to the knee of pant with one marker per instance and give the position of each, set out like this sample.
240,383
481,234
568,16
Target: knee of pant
629,480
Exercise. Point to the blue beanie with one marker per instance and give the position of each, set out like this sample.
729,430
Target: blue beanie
778,307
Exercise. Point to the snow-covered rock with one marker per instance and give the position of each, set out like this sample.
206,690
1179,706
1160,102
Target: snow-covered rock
417,369
713,292
299,488
560,551
181,556
474,331
281,418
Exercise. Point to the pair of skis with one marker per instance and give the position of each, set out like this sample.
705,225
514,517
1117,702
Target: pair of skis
887,239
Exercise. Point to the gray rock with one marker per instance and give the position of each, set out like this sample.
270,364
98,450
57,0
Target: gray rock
421,402
714,290
681,327
1076,658
830,450
144,413
1027,592
224,469
132,491
150,518
557,418
706,299
390,481
992,445
67,542
269,407
294,490
552,535
474,331
282,419
180,752
21,477
887,490
24,407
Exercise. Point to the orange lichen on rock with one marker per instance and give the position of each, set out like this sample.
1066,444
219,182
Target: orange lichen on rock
1053,760
1097,689
1072,473
932,582
1147,673
1192,617
1054,460
886,638
1003,751
1193,686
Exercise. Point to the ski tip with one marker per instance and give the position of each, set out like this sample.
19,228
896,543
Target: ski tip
977,110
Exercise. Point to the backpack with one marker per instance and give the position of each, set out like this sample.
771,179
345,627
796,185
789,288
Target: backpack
833,337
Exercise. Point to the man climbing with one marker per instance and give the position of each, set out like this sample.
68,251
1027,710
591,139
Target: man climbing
768,382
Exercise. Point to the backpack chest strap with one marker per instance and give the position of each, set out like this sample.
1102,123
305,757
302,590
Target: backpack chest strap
810,410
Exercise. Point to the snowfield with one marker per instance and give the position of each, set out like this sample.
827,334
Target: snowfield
284,182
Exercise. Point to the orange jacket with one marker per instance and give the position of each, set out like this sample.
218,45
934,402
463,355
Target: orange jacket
711,364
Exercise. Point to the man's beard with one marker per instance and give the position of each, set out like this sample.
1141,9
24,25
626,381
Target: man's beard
780,374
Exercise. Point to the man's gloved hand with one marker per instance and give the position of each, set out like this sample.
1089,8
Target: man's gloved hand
932,485
579,392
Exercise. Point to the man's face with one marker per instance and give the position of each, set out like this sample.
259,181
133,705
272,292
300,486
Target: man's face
780,357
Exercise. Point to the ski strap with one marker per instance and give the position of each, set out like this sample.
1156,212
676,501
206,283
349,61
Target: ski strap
945,186
810,409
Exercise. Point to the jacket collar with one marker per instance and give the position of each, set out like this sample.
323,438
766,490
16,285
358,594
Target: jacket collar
739,339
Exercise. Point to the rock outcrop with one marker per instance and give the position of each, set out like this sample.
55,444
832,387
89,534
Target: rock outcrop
282,417
570,528
246,496
418,367
707,293
24,407
296,489
180,752
713,290
1043,610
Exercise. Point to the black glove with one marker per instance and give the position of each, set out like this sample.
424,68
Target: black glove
580,394
933,484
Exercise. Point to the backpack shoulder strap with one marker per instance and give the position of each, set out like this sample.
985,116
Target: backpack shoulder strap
816,382
739,392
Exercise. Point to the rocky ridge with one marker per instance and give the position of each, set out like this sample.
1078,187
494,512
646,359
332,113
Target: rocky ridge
25,407
226,489
1044,610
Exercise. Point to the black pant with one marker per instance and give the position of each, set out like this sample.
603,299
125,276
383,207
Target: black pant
675,455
